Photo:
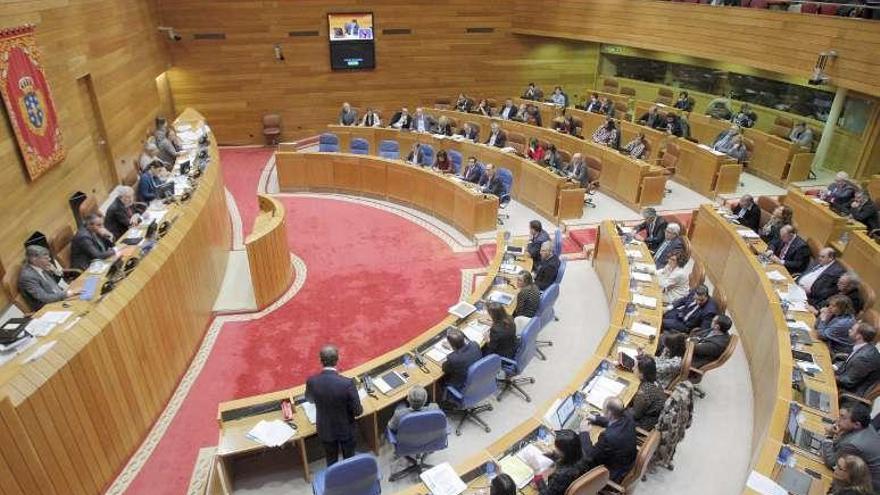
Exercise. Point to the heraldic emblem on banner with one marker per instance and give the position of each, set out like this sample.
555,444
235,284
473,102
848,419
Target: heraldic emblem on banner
28,101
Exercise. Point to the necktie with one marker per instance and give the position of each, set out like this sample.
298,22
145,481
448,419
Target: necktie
784,250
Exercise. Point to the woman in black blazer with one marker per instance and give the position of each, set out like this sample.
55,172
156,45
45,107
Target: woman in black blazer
502,334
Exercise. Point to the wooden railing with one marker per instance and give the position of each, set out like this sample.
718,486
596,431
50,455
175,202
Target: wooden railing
268,254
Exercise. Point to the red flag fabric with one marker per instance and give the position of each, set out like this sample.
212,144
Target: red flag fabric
28,101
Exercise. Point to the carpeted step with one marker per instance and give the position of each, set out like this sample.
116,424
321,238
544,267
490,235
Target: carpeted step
583,237
486,252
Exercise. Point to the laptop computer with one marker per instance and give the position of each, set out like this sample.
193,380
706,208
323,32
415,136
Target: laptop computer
799,436
794,481
165,190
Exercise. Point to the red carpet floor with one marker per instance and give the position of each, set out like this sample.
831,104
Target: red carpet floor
374,281
241,174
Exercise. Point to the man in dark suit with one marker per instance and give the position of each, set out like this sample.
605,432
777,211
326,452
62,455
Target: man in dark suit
336,406
401,119
149,182
577,170
508,111
121,214
672,243
537,237
652,118
464,354
820,280
840,193
711,345
497,138
654,227
593,104
91,242
547,268
469,132
864,210
422,122
38,281
861,369
616,448
853,434
473,172
791,251
693,311
493,183
747,213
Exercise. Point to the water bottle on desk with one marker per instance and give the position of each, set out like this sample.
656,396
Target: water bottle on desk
490,470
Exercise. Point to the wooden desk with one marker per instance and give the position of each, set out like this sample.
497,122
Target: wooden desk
816,221
72,418
454,201
636,183
862,255
731,265
705,170
628,131
268,252
552,196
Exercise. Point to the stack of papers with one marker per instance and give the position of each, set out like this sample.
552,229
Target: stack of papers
517,469
500,297
808,367
641,277
42,326
271,433
748,234
9,352
776,276
634,254
439,351
510,268
311,413
646,331
644,301
462,309
536,459
601,389
764,485
643,267
475,332
442,480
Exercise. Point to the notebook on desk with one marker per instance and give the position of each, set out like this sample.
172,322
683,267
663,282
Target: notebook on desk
795,481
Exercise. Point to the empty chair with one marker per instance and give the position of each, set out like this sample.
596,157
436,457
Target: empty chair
557,242
418,434
328,143
697,275
610,85
828,9
455,158
360,146
590,482
426,155
357,475
10,285
628,92
443,103
546,310
664,96
131,178
478,387
272,128
87,207
507,178
389,149
809,8
759,4
517,141
521,322
513,368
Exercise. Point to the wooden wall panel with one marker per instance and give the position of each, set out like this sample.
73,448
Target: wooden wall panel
236,80
116,44
783,42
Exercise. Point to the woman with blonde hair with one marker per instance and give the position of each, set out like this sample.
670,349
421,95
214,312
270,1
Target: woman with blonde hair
851,474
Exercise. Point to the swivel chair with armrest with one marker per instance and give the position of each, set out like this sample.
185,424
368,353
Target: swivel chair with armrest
513,368
357,475
418,434
479,386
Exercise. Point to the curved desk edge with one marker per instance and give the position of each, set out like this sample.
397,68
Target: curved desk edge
268,253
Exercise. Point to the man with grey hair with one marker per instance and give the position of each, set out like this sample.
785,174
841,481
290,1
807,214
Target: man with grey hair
654,227
820,280
91,242
747,213
337,405
671,243
617,446
417,400
38,281
122,214
547,268
149,155
840,193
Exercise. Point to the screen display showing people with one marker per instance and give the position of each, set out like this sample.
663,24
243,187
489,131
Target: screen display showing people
346,27
351,41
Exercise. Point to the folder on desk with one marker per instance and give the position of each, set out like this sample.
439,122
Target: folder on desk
443,480
644,301
641,277
500,297
517,469
634,254
462,309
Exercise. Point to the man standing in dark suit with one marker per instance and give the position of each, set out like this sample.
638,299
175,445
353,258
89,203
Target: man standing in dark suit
710,346
38,281
497,138
91,242
820,280
791,251
654,227
464,354
747,213
336,406
672,243
121,214
861,370
547,268
693,311
616,447
537,237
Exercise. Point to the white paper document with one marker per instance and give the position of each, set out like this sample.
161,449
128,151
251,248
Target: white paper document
462,309
271,433
311,413
645,301
532,455
56,316
643,330
510,268
517,469
776,276
500,297
40,328
601,389
748,234
798,325
442,480
641,277
438,353
764,485
644,267
634,254
475,332
808,367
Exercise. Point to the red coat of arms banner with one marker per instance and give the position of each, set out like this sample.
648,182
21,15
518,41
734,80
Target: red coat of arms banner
29,101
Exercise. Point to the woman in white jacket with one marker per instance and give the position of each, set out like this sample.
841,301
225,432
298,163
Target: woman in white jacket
673,279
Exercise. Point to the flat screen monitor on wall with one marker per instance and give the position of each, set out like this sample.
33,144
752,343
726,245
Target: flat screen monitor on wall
351,41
